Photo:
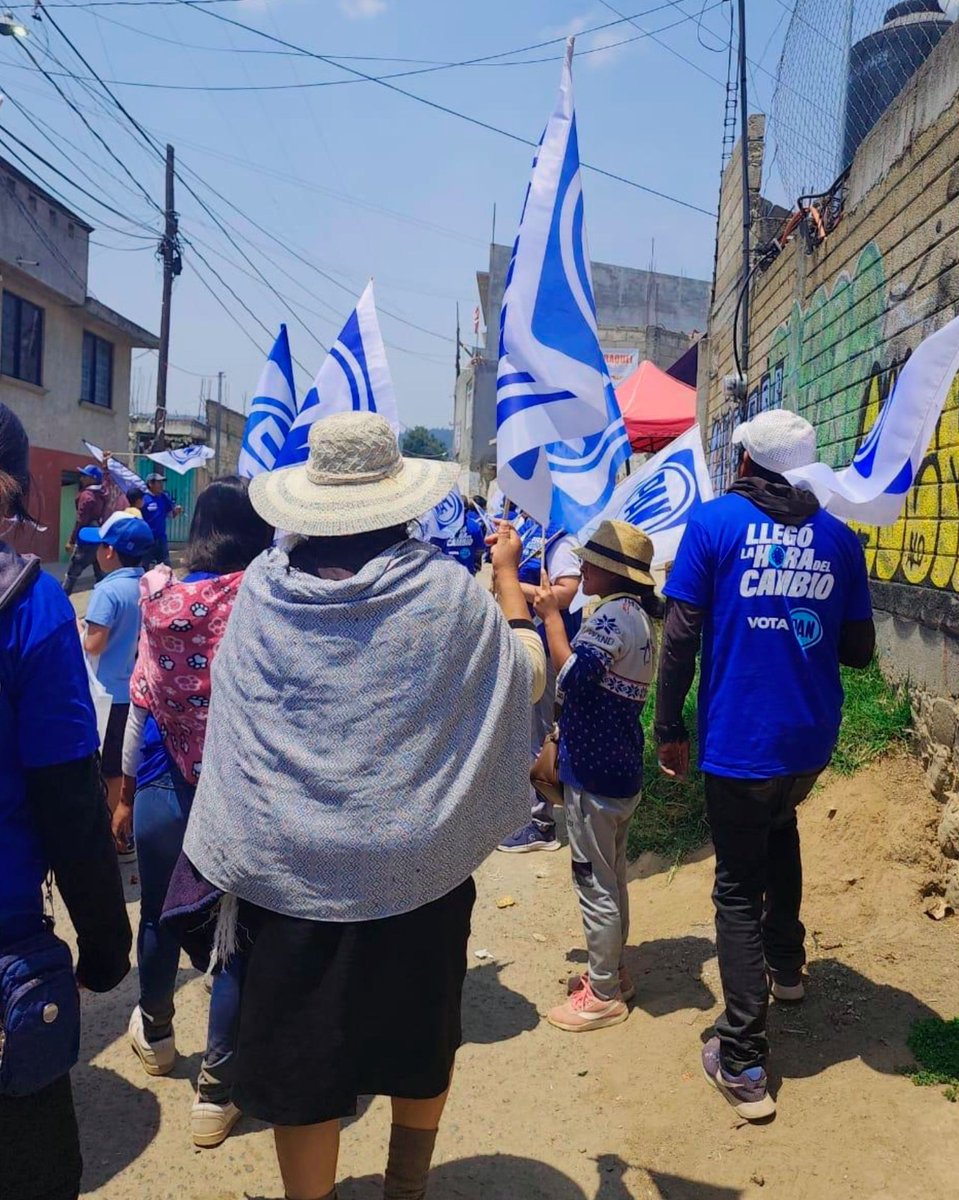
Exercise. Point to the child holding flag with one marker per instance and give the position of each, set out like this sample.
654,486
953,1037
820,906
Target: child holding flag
603,677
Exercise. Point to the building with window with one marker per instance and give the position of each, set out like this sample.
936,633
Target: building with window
64,357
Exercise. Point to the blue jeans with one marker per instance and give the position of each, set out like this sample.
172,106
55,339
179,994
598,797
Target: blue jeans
160,814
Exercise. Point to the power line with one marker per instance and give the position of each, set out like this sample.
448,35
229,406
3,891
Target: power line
442,107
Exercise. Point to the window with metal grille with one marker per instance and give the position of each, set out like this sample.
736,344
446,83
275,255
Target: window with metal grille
21,339
96,379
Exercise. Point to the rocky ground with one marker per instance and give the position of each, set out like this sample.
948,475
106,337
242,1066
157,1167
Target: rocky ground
623,1113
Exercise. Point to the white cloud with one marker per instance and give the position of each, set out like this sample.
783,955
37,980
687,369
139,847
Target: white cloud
361,10
604,46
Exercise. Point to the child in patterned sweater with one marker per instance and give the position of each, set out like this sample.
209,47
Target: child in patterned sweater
603,678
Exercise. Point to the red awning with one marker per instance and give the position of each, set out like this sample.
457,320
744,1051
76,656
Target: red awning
655,407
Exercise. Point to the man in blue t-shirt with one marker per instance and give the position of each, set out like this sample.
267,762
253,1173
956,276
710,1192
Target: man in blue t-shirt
158,504
113,627
777,589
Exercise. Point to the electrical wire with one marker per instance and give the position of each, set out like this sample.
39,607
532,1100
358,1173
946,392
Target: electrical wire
515,137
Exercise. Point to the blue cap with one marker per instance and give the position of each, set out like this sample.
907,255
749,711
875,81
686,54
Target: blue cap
127,535
93,471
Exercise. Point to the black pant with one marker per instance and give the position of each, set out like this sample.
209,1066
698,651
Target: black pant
39,1145
758,895
81,558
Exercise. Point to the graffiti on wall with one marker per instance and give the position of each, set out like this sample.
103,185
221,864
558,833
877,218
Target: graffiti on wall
835,362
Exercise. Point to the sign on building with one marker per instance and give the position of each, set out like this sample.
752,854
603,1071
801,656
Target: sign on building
620,364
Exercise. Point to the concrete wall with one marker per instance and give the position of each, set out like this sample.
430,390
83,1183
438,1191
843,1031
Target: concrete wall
830,332
55,418
39,234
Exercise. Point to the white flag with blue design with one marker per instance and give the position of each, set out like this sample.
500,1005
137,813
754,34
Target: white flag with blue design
662,495
125,479
355,377
560,438
187,459
873,488
446,519
272,412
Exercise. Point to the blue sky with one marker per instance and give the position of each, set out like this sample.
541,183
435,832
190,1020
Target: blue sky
357,180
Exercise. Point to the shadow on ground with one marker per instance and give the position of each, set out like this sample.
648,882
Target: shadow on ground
845,1016
492,1012
668,974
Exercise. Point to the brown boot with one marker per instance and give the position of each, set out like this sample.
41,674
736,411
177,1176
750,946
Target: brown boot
408,1165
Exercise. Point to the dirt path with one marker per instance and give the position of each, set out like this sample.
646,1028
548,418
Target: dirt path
624,1113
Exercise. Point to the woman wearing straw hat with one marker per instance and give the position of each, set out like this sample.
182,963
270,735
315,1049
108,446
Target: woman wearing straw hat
603,678
372,702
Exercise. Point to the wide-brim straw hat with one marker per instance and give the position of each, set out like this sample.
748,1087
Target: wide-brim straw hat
354,481
621,548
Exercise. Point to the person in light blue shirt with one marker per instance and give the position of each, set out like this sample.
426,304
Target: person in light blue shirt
113,627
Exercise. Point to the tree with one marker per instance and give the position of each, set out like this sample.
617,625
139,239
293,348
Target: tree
418,442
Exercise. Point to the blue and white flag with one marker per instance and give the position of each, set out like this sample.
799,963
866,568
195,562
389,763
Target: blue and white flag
873,488
560,438
125,478
272,413
446,519
183,460
662,495
355,377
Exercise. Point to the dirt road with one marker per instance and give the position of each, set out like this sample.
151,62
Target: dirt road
623,1113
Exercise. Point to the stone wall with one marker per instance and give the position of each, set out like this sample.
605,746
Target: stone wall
830,330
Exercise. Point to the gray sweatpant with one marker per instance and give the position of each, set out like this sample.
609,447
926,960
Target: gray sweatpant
598,827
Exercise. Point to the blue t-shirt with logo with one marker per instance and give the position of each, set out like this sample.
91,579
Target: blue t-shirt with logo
115,603
155,510
46,717
466,546
775,599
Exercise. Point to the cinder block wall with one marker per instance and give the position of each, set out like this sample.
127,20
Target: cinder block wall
830,331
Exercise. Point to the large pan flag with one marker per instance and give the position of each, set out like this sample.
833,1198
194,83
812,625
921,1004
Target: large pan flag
873,488
354,377
272,412
560,438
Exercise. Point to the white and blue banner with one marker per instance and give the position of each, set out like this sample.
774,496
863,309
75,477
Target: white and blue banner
873,488
272,412
446,519
187,459
662,495
354,377
560,438
125,478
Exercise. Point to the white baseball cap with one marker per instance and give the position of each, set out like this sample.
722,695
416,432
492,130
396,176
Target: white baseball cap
778,440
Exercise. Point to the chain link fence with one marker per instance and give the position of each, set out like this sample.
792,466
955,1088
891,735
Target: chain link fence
843,63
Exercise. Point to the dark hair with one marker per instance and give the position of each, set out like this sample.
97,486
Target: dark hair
645,593
129,560
755,471
350,552
14,466
135,494
226,534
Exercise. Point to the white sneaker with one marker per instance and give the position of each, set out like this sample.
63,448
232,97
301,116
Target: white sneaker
157,1058
211,1123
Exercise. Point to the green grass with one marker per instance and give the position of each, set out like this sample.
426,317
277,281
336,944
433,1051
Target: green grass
935,1046
670,819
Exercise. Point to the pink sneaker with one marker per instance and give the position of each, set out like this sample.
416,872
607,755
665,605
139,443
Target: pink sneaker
584,1011
627,989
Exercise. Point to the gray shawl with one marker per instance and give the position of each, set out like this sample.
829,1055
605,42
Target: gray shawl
368,739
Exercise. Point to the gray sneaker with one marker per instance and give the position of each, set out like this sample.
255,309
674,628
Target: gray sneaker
748,1092
786,985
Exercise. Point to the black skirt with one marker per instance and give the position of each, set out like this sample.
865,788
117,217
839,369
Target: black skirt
333,1011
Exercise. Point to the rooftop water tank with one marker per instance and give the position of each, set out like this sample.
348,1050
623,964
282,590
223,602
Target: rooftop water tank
882,63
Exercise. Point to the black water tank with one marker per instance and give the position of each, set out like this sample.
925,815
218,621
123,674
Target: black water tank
882,64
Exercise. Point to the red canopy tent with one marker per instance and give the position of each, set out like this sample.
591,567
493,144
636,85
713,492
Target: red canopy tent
656,408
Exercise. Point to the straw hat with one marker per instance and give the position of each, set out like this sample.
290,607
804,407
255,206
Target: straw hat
621,548
355,481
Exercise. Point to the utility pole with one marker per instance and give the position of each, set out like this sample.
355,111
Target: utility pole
219,421
458,343
169,254
747,207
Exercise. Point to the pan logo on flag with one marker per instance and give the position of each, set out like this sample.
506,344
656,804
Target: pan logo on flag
663,500
450,513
